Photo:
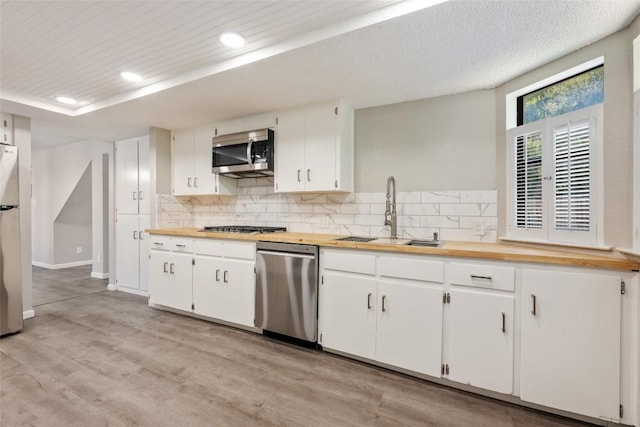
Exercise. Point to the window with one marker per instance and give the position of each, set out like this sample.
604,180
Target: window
554,176
571,94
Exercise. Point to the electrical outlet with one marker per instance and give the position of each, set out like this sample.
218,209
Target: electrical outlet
79,250
324,222
478,227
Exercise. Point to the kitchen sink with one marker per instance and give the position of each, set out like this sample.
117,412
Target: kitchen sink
429,243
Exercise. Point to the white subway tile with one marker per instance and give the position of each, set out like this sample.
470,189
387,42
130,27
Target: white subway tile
458,235
408,221
288,218
342,219
479,196
490,223
332,229
439,221
460,209
313,198
300,227
418,233
355,230
297,208
369,219
340,198
421,209
491,236
247,182
370,197
409,197
326,209
440,197
354,208
490,209
277,207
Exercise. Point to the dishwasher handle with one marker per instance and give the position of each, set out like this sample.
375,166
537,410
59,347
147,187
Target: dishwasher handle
286,254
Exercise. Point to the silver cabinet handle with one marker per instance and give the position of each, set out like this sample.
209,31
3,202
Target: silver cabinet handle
140,235
139,195
134,195
166,264
475,276
217,275
224,276
135,235
171,268
189,182
195,182
299,175
158,243
384,297
504,325
369,301
533,301
309,175
180,245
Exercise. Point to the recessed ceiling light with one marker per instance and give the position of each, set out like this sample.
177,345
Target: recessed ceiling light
132,77
231,39
66,100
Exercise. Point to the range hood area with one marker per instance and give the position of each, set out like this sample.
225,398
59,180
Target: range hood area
244,154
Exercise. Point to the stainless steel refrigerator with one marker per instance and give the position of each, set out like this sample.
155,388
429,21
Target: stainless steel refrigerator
10,265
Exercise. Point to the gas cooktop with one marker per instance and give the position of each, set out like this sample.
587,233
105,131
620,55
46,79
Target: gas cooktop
241,229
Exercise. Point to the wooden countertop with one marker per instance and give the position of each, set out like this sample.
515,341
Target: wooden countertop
495,251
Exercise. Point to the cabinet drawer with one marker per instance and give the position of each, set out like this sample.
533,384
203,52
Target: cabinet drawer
182,245
412,268
208,247
349,261
483,276
242,250
160,243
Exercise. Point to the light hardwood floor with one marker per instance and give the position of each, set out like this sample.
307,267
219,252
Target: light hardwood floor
106,358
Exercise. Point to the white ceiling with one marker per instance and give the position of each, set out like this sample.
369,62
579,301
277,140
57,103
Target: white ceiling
369,52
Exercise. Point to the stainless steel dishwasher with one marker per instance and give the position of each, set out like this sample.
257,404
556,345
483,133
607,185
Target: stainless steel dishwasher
287,290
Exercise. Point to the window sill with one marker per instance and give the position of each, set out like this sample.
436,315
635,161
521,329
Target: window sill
556,244
632,252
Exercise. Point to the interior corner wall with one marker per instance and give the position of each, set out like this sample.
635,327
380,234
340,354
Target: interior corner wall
22,140
443,143
617,167
159,167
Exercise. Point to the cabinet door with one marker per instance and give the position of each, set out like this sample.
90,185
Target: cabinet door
349,313
127,251
237,296
207,282
144,222
204,181
571,342
480,351
409,332
144,187
126,165
182,162
320,148
175,288
289,152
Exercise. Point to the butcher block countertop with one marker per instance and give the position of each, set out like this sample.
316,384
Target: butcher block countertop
491,251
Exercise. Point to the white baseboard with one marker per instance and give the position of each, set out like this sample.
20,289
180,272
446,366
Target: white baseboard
28,314
97,275
133,291
112,287
59,266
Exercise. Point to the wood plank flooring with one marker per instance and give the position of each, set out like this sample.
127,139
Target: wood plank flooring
57,285
108,359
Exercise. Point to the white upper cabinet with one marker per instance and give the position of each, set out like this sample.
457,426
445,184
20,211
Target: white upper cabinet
246,123
132,176
191,164
314,148
6,122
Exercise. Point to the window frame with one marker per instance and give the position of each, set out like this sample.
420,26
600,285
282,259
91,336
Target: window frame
548,233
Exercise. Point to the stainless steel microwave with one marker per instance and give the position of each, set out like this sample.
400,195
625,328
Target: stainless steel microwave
244,154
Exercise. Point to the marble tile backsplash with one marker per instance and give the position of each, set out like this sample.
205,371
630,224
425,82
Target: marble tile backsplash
452,214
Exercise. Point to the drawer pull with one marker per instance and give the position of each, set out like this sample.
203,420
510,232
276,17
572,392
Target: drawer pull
224,276
217,275
533,301
309,175
504,325
180,246
475,276
299,175
369,301
171,268
135,235
384,297
158,243
166,264
134,195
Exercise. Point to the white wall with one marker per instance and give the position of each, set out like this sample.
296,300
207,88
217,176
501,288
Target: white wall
56,173
444,143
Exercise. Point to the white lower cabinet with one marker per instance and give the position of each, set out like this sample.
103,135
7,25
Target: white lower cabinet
132,267
481,335
570,357
224,289
170,277
209,277
409,322
393,320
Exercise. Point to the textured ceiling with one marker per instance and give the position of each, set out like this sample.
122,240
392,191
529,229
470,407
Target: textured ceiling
353,50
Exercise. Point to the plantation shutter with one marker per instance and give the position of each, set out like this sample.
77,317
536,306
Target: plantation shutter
528,180
572,190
